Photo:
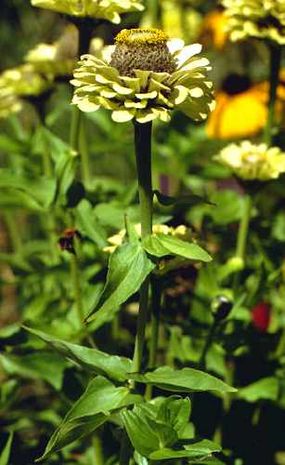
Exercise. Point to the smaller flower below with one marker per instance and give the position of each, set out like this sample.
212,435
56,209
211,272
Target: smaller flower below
181,231
253,162
97,9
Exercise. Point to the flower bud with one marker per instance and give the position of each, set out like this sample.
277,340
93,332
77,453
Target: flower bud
221,306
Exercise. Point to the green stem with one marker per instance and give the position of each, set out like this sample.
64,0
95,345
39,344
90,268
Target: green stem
207,346
75,279
242,236
275,61
143,161
155,319
98,452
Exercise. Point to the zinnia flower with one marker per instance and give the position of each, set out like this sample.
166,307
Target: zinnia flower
23,81
146,78
253,162
256,18
98,9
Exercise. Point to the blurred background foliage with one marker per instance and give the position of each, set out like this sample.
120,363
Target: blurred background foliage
44,191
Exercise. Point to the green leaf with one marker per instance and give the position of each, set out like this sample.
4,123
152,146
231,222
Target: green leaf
187,200
153,430
263,389
198,449
39,365
87,221
92,409
185,380
112,366
160,245
176,412
5,454
23,192
128,268
145,433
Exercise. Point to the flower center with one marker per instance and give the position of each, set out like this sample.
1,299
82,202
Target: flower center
143,49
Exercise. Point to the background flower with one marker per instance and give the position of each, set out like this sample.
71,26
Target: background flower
253,162
101,9
256,18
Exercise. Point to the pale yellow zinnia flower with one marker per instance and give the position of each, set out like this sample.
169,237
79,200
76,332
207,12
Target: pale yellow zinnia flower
253,162
256,18
145,79
97,9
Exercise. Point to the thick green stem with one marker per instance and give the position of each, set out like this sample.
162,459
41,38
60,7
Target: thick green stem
14,232
275,61
242,236
155,320
143,160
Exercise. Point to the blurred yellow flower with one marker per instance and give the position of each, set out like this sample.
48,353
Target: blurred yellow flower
241,108
213,31
98,9
9,103
253,162
181,231
256,18
23,81
146,78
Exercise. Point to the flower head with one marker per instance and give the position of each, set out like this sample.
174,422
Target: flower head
57,59
253,162
23,81
256,18
146,78
99,9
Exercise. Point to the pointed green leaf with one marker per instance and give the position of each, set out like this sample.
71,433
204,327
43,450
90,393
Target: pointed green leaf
92,409
160,245
198,449
39,365
128,268
189,200
263,389
5,454
185,380
112,366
